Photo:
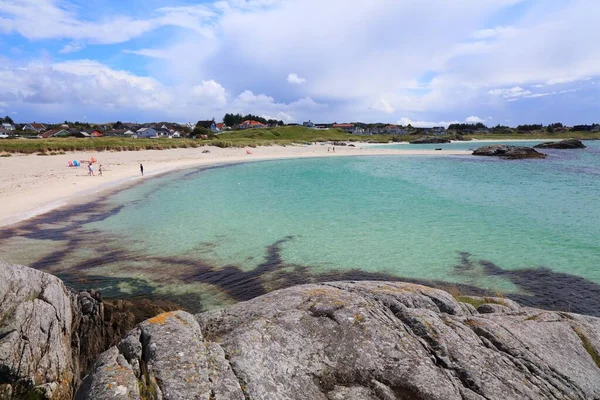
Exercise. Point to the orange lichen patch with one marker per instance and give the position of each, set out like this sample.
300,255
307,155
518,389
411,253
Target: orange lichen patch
160,319
359,317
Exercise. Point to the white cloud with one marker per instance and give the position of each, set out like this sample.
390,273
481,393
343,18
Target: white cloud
463,63
383,105
495,33
566,79
71,48
473,120
211,92
54,19
425,124
294,79
510,93
154,53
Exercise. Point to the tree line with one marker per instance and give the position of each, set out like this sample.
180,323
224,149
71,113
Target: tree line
236,119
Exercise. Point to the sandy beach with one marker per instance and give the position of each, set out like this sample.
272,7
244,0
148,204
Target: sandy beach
31,185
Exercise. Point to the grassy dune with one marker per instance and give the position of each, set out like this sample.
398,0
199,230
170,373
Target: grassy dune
248,138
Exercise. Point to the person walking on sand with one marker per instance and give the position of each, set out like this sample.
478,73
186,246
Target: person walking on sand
90,169
100,170
142,169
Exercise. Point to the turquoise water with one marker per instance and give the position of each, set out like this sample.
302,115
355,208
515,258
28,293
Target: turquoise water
213,231
468,145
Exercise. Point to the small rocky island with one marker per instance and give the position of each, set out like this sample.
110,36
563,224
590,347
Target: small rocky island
563,144
340,340
508,152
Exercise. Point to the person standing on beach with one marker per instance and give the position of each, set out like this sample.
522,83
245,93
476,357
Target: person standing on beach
142,169
100,170
90,169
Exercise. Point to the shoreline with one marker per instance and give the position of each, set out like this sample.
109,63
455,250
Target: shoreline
34,185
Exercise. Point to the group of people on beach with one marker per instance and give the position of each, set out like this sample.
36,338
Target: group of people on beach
91,169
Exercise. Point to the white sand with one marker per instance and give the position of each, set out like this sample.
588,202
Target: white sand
31,185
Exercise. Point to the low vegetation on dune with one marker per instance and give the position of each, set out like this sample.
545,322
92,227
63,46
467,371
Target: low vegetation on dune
284,135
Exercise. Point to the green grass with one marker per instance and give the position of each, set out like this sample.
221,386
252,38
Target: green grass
476,302
283,136
289,133
588,346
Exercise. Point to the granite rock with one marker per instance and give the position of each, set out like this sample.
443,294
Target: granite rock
563,144
508,152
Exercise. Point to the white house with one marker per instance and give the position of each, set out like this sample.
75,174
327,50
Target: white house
35,127
7,126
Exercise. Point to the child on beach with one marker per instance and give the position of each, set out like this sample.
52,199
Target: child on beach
100,170
90,169
142,169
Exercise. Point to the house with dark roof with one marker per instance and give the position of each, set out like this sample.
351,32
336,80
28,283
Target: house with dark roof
115,132
162,132
208,125
146,133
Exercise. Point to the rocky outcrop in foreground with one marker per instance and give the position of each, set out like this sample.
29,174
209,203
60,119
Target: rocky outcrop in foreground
508,152
355,340
50,335
344,340
563,144
429,140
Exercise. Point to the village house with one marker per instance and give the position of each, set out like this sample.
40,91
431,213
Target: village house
250,124
436,130
34,127
54,133
308,124
7,126
147,133
163,132
346,127
211,125
222,127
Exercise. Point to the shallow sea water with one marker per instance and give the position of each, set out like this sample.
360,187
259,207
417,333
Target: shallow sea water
527,229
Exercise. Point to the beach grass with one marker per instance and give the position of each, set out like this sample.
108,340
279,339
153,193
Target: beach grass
282,136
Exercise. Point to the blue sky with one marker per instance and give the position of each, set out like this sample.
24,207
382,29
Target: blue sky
425,62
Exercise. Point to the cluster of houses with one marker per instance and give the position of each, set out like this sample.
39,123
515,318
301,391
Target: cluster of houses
378,130
125,130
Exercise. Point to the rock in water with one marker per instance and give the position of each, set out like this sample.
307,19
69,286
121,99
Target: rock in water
355,340
428,140
508,152
563,144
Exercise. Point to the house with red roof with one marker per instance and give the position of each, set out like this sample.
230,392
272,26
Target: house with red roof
346,127
54,133
250,124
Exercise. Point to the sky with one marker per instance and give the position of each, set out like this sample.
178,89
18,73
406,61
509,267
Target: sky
423,62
